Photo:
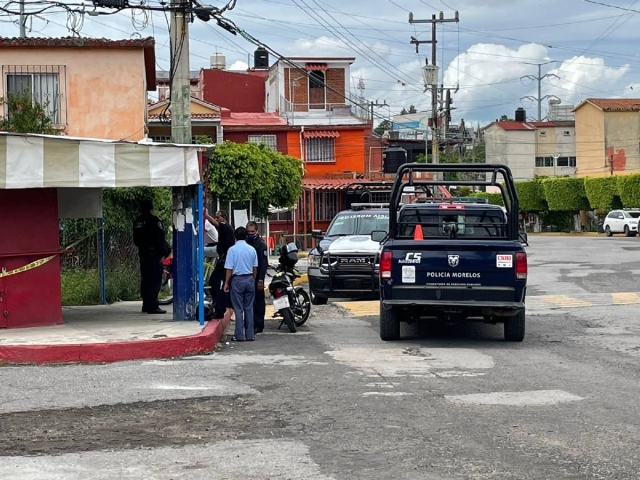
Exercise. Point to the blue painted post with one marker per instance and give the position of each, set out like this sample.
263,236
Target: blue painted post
102,267
184,298
200,230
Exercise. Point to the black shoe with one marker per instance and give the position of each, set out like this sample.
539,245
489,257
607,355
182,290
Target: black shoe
234,339
156,311
258,331
144,310
251,339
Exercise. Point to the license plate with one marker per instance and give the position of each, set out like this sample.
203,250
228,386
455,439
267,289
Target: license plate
280,303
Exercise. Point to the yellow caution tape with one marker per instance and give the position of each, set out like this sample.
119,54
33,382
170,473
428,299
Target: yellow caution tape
42,261
30,266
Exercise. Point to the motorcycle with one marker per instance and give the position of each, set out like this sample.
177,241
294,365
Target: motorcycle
291,303
167,281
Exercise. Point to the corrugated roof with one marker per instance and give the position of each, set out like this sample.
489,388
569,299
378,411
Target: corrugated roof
615,104
195,116
510,125
334,183
253,120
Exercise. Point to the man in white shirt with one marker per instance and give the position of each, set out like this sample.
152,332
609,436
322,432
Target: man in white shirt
210,238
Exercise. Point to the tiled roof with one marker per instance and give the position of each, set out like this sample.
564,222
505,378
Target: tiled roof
321,134
514,125
76,42
147,44
616,104
253,120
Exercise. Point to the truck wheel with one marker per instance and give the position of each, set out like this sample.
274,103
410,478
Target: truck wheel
627,232
514,327
389,324
608,231
315,300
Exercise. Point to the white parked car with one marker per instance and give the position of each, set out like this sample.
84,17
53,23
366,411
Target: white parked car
622,221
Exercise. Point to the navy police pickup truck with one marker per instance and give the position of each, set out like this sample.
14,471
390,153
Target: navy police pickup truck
452,260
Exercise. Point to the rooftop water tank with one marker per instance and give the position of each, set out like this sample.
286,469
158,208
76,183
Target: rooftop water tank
392,158
521,115
218,61
261,59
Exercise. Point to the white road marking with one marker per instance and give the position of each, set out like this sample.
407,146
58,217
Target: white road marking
517,399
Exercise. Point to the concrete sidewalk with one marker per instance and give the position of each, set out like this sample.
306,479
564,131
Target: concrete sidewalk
110,333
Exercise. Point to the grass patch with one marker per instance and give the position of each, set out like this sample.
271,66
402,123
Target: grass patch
82,287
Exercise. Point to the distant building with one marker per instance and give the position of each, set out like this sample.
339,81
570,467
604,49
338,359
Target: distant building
608,136
532,148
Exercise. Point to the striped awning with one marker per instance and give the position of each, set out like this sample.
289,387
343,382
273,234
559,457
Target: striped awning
317,67
45,161
320,134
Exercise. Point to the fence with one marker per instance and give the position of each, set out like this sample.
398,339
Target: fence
80,266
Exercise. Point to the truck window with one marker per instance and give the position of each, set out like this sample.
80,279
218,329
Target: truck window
358,224
448,224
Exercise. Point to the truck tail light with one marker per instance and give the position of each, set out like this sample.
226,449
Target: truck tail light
385,264
521,266
451,206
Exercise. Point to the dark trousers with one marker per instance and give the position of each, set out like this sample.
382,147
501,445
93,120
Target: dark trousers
150,278
221,299
259,308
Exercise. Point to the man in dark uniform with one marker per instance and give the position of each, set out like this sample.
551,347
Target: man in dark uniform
148,236
226,240
259,304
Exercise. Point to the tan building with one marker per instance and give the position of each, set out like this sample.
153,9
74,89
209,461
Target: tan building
532,149
608,136
89,87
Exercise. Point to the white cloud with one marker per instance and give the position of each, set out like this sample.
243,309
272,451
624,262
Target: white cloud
239,65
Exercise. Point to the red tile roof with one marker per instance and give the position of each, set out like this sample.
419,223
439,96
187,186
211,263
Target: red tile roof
195,116
148,44
615,104
514,125
253,120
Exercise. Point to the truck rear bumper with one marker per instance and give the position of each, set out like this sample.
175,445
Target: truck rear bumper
454,304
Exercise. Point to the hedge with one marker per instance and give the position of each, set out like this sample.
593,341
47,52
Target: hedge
602,192
531,196
494,198
565,194
629,190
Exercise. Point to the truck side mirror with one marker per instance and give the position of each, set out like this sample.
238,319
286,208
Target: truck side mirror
316,233
378,235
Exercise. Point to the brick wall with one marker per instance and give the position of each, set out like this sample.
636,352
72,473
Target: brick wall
335,83
300,92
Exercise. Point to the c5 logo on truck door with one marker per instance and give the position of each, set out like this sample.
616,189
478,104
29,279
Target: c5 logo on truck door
412,257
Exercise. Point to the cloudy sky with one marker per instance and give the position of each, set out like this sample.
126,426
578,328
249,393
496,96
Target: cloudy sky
496,42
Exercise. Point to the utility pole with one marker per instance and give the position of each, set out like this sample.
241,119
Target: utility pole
375,104
539,79
184,201
434,21
23,20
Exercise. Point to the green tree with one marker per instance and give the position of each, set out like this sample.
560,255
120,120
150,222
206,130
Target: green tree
384,126
246,171
403,111
25,115
412,109
505,118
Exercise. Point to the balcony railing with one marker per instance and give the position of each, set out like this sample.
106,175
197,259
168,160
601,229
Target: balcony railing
351,107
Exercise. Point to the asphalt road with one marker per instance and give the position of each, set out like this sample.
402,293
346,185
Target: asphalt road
334,402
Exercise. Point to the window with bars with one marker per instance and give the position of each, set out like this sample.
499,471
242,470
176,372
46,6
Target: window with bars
320,150
270,141
281,217
544,161
42,83
326,206
566,162
166,138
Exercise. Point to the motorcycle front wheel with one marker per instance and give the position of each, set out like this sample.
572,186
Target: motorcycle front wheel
289,321
302,307
166,289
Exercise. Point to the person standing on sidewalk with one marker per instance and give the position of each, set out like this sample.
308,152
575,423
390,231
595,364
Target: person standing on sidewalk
259,304
226,240
148,236
241,271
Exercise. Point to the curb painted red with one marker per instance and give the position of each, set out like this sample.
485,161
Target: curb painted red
200,343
